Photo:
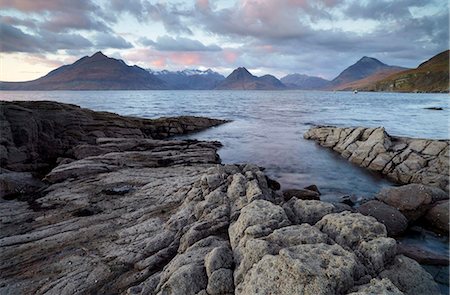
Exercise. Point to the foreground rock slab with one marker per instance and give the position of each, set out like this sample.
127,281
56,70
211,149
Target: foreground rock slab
144,216
404,160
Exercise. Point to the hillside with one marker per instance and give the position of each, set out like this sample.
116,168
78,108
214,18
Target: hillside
363,68
430,76
366,82
190,79
242,79
96,72
305,82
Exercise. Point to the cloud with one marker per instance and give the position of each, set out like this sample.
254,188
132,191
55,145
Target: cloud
105,40
15,40
167,43
44,5
170,15
63,21
315,37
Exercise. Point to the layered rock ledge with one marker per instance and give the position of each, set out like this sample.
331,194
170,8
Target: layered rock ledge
38,135
403,160
35,133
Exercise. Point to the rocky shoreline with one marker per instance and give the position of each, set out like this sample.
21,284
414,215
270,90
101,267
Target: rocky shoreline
120,211
403,160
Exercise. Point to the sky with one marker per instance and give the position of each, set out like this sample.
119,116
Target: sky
279,37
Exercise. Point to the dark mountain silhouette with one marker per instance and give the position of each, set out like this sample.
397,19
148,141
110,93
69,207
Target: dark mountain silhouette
189,79
242,79
363,68
305,82
96,72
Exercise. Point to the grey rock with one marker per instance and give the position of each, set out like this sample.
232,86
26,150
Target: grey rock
437,217
18,183
404,160
303,269
218,258
412,200
301,194
221,282
377,287
306,211
350,229
409,277
422,256
395,222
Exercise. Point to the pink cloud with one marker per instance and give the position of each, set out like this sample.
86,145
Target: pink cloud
230,56
186,59
41,5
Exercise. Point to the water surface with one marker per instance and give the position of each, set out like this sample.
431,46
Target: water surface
267,126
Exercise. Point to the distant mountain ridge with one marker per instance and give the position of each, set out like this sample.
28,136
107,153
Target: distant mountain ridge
242,79
99,72
362,69
189,79
304,82
430,76
96,72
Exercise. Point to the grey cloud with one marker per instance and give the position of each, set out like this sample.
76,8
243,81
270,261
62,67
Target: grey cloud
382,9
167,43
133,7
15,40
61,22
169,16
105,40
14,21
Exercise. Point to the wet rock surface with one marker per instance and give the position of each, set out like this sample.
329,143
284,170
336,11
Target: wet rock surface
187,226
404,160
145,216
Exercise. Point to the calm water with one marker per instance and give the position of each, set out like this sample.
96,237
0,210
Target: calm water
268,126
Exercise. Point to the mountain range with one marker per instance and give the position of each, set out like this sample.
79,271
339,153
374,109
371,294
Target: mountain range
242,79
190,79
99,72
304,82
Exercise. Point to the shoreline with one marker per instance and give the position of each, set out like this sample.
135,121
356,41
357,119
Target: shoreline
207,209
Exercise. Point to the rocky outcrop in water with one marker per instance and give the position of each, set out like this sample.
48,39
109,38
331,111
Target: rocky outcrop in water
401,159
36,135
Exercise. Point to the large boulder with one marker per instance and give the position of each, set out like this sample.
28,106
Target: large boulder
303,269
407,275
307,211
437,217
413,200
392,218
350,229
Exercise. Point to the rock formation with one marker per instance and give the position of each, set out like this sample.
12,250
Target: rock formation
401,159
143,216
37,135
